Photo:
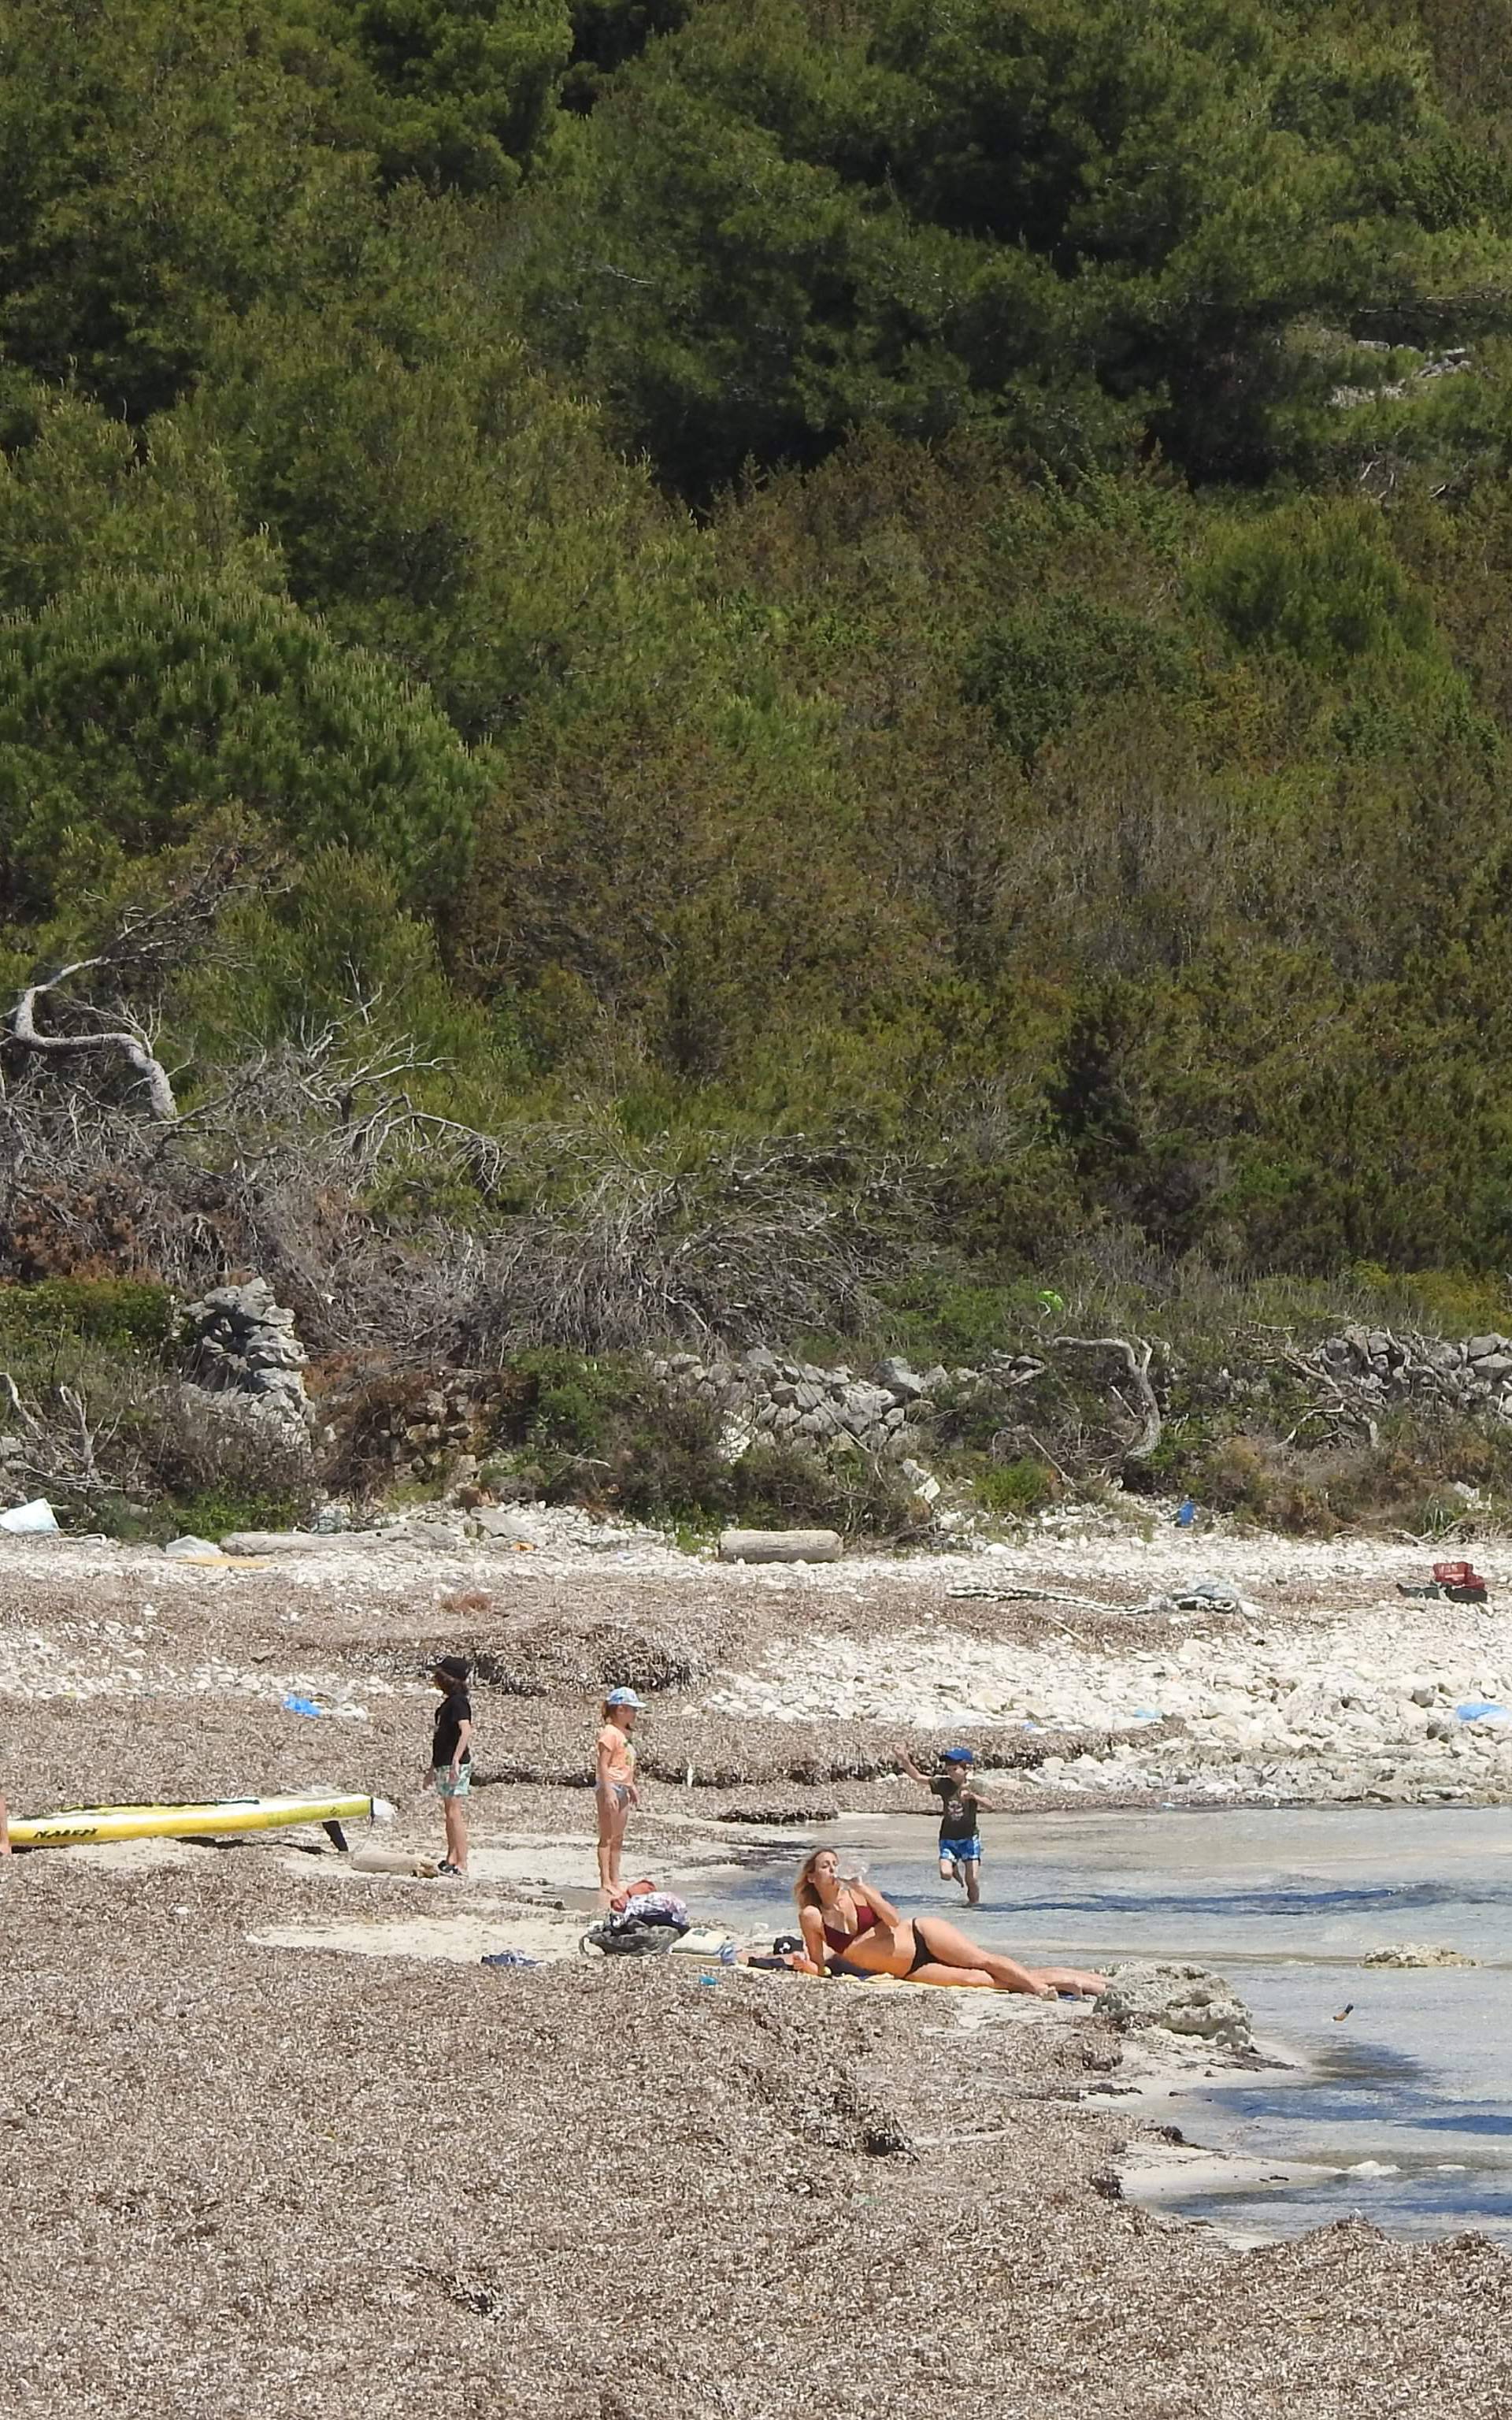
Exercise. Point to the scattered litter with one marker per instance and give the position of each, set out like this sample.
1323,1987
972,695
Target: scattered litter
1482,1710
512,1959
193,1550
1459,1582
1373,2168
35,1520
1186,1512
302,1706
1039,1597
1201,1594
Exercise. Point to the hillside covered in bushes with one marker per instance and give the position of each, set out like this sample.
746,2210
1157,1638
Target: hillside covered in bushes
756,669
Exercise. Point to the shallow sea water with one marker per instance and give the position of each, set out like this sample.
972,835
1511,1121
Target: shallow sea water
1417,2080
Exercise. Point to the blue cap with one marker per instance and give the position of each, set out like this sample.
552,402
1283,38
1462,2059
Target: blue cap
625,1697
958,1756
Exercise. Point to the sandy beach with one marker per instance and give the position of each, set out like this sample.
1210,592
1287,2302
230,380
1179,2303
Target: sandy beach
280,2142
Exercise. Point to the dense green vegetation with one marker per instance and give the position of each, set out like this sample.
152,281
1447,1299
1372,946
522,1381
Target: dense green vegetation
921,588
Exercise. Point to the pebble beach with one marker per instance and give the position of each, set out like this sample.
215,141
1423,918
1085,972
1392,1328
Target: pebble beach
266,2173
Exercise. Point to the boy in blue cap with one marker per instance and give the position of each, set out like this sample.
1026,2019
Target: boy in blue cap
960,1795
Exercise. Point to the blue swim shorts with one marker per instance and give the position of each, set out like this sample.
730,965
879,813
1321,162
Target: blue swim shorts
963,1852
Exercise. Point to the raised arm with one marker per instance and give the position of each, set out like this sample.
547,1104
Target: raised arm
907,1764
882,1908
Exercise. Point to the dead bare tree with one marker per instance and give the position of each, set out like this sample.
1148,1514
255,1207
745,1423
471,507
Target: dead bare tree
147,939
1136,1356
64,1452
130,1038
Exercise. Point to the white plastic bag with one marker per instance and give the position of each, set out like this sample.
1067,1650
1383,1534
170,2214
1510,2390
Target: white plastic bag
33,1520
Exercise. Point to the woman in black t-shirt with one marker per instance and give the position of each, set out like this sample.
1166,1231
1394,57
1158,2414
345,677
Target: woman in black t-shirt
451,1757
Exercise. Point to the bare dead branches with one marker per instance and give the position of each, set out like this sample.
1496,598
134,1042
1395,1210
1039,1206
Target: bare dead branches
62,1447
622,1246
147,938
1137,1357
129,1039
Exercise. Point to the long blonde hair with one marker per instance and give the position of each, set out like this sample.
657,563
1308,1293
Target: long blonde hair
805,1890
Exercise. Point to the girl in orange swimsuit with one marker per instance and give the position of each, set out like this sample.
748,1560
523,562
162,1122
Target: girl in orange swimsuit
849,1921
614,1784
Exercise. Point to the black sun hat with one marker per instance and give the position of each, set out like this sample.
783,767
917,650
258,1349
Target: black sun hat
456,1667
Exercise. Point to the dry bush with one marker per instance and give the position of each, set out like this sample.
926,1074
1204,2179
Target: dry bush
191,1444
578,1238
624,1246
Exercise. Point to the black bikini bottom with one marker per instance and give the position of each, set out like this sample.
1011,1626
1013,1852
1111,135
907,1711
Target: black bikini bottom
923,1954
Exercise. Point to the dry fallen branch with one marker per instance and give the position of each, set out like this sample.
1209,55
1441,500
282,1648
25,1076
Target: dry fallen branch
129,1040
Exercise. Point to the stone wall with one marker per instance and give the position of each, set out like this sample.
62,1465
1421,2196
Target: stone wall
1373,1365
763,1396
239,1346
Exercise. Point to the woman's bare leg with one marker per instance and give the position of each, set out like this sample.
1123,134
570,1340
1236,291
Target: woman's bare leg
966,1979
1071,1978
948,1947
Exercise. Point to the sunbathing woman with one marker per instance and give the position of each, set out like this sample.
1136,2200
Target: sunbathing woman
850,1922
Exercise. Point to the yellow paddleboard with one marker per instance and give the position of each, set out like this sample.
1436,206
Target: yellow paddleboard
78,1826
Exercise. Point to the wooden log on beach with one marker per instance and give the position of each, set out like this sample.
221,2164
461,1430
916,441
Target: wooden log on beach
779,1546
252,1544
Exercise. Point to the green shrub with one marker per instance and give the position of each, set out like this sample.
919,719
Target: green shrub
668,1468
1014,1490
781,1485
1318,582
123,1312
215,1512
576,1403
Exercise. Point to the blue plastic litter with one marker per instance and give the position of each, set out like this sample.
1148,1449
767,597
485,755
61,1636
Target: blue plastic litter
1147,1714
1476,1710
302,1706
508,1958
1186,1512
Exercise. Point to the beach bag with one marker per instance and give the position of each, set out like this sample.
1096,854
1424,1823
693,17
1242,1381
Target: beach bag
625,1936
656,1907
